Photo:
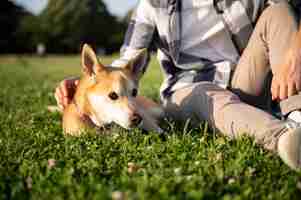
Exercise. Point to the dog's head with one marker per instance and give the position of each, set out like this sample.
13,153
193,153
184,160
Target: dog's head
108,93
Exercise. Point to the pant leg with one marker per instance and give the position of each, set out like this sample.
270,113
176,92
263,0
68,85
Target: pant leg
267,47
225,112
228,112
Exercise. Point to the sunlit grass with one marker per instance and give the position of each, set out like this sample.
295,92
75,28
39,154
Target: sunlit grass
38,162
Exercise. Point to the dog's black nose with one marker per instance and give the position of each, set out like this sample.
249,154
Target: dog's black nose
136,119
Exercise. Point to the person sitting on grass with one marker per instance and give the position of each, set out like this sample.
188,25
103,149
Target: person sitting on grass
217,58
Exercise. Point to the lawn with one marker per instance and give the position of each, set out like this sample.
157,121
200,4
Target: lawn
38,162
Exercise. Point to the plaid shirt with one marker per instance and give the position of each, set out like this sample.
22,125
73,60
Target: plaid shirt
158,22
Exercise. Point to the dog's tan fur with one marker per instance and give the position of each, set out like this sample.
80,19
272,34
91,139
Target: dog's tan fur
92,101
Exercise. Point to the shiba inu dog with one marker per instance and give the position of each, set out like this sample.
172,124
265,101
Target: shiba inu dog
107,95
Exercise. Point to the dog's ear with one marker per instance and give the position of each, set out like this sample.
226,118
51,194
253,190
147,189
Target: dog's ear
134,65
90,63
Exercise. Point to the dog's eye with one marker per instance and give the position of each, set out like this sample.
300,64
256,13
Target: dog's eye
134,92
113,96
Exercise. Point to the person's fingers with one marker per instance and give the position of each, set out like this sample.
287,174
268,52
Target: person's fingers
291,89
67,88
56,95
64,88
58,98
76,82
276,92
65,101
59,95
298,86
272,93
275,89
283,91
65,91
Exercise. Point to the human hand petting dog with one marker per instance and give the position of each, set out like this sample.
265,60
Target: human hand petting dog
287,79
65,91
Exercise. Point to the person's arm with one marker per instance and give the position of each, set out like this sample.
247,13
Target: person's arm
139,36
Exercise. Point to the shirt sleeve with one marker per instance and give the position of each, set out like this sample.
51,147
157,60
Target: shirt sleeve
139,35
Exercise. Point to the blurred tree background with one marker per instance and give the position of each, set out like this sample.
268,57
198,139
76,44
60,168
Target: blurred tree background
63,26
10,20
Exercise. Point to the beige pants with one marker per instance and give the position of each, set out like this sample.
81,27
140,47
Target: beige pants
238,112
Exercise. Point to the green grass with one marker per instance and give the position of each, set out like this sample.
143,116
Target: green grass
188,164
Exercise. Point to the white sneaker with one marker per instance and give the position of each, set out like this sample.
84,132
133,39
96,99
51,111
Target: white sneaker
295,116
289,146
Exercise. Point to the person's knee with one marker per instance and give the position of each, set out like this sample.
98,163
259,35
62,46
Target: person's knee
280,14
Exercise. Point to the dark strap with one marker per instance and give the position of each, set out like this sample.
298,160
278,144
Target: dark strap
217,7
